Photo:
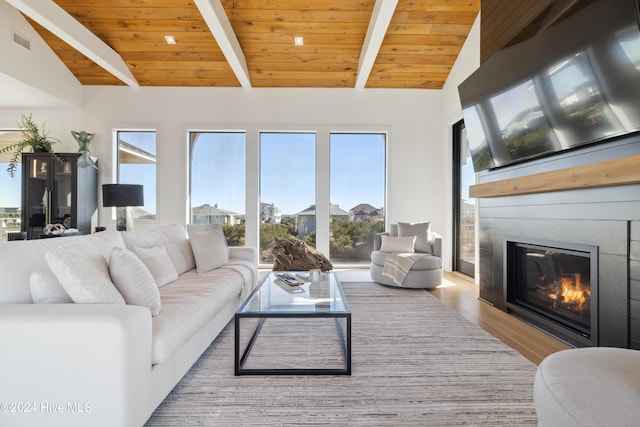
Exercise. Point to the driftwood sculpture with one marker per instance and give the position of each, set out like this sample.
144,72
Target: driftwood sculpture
296,255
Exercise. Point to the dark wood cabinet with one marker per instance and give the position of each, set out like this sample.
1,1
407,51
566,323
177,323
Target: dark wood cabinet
57,192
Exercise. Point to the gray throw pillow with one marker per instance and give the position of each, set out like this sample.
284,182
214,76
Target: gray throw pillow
421,231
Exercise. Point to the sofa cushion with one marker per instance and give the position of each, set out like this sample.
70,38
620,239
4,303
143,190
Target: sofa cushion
424,263
45,289
83,272
157,260
421,231
105,241
157,236
188,304
133,280
181,255
209,247
21,258
398,244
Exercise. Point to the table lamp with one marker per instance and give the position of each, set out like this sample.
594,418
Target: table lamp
122,196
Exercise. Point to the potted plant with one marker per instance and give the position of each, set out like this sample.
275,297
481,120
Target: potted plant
32,137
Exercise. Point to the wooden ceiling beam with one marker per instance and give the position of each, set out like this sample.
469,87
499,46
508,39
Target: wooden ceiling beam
380,19
59,22
219,25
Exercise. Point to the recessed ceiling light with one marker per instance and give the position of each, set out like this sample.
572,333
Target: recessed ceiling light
298,41
170,39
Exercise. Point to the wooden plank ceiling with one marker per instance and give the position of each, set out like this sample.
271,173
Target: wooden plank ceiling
419,48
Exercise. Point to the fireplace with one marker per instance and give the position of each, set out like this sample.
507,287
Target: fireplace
554,286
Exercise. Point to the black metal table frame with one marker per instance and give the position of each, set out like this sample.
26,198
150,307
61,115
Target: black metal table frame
242,355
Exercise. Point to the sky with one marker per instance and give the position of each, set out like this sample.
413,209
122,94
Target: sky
10,188
287,171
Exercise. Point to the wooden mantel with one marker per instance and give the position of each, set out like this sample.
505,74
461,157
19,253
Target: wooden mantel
623,171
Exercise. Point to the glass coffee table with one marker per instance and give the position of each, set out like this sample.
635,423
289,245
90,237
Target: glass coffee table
301,307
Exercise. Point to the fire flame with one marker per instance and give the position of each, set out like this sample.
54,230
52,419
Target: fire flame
572,292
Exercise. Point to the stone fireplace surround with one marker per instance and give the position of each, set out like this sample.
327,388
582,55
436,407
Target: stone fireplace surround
607,217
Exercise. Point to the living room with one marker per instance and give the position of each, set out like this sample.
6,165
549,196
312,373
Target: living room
417,123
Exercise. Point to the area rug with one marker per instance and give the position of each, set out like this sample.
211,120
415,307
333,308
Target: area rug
416,362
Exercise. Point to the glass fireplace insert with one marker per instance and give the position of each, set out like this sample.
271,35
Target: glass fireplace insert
554,285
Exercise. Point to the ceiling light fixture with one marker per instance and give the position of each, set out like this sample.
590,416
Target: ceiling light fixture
170,39
298,41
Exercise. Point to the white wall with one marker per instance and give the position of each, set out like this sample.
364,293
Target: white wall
35,77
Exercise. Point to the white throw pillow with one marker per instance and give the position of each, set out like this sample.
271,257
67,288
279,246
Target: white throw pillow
397,244
83,272
45,289
181,255
134,280
421,231
159,264
209,249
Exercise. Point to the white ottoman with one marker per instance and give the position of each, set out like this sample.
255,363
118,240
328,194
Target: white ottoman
594,386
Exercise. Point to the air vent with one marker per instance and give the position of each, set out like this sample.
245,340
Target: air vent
21,40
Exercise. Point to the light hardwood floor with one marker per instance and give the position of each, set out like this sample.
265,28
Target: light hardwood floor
460,293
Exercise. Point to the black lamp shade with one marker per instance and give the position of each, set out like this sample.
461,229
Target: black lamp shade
122,195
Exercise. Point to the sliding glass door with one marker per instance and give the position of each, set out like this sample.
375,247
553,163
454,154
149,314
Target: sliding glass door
464,207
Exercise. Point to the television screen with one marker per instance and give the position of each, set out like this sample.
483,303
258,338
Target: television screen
576,82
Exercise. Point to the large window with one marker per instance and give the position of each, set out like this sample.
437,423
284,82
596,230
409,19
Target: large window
218,182
287,189
10,187
137,165
357,163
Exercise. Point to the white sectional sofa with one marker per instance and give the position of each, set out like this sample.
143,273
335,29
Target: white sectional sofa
109,364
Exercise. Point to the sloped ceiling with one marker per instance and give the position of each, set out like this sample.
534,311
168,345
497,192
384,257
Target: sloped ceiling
227,43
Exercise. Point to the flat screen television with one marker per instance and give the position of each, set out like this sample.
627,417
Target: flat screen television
573,83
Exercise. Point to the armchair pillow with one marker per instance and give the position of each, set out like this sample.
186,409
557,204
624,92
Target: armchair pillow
134,280
403,244
421,231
